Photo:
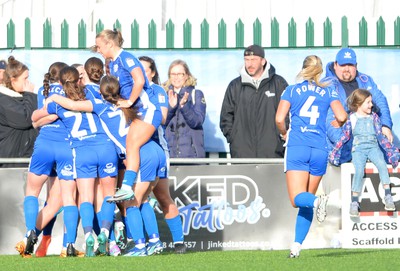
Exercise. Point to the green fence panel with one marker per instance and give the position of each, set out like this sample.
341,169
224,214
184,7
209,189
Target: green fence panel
327,32
64,34
222,34
135,34
10,34
309,33
397,31
82,34
274,33
99,26
187,34
239,27
170,31
257,32
47,35
28,33
363,32
292,33
345,32
380,32
205,34
152,28
117,25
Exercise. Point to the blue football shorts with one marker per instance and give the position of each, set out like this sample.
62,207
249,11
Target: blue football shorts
305,158
52,158
93,161
153,163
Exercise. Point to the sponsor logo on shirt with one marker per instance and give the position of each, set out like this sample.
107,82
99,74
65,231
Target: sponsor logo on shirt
269,94
304,129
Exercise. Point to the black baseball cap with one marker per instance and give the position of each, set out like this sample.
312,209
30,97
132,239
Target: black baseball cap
254,50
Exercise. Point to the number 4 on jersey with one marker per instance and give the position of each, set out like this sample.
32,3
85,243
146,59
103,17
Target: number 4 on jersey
309,110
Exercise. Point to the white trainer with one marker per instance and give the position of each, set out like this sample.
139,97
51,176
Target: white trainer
295,250
321,209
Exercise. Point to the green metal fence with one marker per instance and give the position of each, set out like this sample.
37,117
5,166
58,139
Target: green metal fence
293,35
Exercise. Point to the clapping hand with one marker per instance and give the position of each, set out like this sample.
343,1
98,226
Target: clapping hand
173,98
184,99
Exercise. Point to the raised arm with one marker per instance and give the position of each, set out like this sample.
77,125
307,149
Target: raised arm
85,106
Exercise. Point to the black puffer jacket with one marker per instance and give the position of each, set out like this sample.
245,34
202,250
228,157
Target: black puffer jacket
17,135
248,115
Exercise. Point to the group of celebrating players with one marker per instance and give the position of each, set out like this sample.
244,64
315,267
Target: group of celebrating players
100,130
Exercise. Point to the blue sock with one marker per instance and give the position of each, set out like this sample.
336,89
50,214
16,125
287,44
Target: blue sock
305,199
87,216
107,213
149,219
303,223
96,223
71,215
31,211
112,235
135,222
127,229
175,227
129,177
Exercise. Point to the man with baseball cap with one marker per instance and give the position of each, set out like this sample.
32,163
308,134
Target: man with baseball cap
346,78
248,110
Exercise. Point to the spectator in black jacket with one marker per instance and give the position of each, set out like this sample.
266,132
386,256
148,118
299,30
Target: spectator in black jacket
17,102
249,106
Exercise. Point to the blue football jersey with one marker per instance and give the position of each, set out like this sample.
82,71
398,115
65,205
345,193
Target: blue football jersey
92,91
121,68
56,130
84,128
113,123
309,106
162,97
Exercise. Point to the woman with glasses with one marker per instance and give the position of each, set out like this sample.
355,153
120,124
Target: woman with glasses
186,113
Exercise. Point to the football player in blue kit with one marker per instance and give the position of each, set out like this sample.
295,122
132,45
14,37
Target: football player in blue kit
135,91
94,71
306,152
161,191
94,156
51,151
115,122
